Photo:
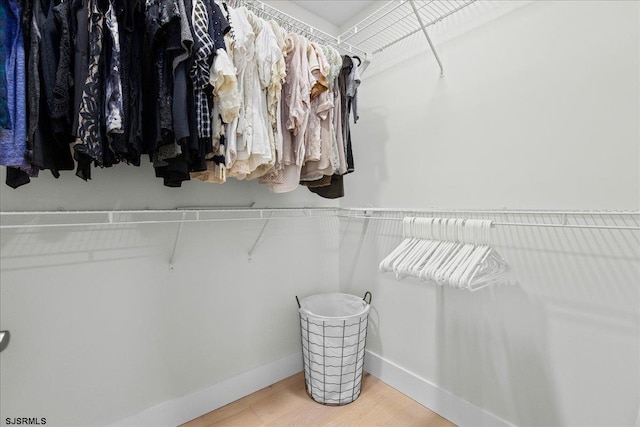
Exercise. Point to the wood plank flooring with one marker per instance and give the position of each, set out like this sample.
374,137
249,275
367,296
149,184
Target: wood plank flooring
286,403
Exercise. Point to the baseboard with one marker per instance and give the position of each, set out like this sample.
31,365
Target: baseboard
440,401
177,411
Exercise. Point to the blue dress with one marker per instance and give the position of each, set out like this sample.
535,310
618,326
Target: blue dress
13,137
5,122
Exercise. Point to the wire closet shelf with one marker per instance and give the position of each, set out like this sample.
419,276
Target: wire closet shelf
396,20
388,25
55,219
295,25
613,220
568,219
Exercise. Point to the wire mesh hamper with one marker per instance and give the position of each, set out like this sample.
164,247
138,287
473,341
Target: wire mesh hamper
334,333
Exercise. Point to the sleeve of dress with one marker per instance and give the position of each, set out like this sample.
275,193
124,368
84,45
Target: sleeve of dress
225,86
299,102
263,53
353,91
276,71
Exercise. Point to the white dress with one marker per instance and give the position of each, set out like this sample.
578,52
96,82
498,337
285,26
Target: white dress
249,134
271,73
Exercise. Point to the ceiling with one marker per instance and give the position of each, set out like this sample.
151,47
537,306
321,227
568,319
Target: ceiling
337,12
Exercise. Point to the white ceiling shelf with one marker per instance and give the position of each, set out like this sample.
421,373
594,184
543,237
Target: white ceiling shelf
395,21
295,25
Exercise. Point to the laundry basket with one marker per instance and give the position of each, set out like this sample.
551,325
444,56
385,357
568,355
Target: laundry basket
334,333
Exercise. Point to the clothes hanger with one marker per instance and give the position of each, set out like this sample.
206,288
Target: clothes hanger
402,266
386,265
448,251
410,265
457,255
474,256
470,238
488,267
443,252
428,249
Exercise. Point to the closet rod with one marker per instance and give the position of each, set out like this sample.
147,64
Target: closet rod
513,224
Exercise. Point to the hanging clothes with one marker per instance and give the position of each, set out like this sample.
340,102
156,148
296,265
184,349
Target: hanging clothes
296,103
5,119
8,21
201,65
88,147
271,73
276,174
61,111
320,144
346,85
127,146
170,158
348,82
13,129
49,143
329,129
181,84
113,82
320,104
14,150
80,29
248,137
226,101
225,96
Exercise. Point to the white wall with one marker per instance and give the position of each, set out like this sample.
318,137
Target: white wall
304,15
539,109
102,329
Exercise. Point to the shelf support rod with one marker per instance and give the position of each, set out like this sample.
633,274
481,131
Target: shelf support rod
5,336
424,30
264,226
175,244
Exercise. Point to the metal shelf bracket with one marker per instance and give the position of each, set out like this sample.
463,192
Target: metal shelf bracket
264,226
175,243
426,34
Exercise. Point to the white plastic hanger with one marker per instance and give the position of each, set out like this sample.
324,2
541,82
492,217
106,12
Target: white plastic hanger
486,265
448,251
472,238
386,264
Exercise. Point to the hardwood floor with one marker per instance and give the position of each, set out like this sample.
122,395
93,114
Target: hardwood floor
287,404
